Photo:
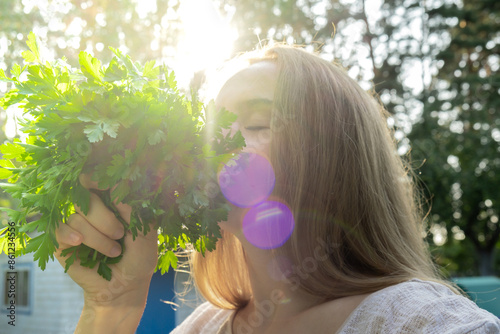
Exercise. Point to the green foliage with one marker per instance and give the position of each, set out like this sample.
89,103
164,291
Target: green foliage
458,136
129,127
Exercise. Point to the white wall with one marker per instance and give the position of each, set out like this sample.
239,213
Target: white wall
56,301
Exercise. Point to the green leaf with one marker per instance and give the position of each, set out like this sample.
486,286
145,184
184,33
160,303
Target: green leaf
104,271
118,165
94,133
156,137
13,215
182,240
11,150
200,198
129,64
120,191
115,72
3,77
33,46
29,57
4,241
44,249
7,164
83,255
169,259
16,71
90,66
110,128
5,173
71,259
171,82
81,197
150,71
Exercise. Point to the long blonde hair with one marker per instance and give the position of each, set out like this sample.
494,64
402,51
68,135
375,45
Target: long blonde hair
337,167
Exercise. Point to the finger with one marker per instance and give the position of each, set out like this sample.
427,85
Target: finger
93,237
67,237
124,210
102,219
87,182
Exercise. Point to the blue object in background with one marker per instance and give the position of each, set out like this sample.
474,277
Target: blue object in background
159,317
484,291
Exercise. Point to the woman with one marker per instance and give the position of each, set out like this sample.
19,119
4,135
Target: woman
355,262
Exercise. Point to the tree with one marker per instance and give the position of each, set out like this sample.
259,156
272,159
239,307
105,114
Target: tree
264,20
67,28
458,137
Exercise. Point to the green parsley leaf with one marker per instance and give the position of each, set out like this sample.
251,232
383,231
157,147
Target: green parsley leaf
33,46
91,67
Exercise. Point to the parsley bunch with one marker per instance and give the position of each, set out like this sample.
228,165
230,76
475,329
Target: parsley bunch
130,128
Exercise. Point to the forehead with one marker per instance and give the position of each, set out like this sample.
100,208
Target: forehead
255,83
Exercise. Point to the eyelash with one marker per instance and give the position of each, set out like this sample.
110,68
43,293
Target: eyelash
256,128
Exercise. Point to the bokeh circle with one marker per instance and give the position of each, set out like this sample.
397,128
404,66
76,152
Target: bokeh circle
247,180
268,225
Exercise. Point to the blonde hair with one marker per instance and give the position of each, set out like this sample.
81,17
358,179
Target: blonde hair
337,168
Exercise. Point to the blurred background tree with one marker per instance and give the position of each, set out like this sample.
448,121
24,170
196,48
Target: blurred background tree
458,135
433,63
66,27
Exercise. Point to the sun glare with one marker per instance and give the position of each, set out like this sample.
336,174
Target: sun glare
207,40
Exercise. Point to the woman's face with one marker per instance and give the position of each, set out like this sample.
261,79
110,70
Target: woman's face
249,94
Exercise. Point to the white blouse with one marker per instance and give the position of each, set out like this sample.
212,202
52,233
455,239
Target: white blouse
415,306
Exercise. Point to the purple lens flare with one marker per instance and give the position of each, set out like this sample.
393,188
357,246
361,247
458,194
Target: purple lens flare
247,180
268,225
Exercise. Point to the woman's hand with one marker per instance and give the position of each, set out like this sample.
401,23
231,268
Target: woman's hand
127,290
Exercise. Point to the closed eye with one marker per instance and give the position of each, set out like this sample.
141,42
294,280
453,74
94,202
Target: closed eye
256,128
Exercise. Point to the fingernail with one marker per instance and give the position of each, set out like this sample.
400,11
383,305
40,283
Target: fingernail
115,251
118,234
